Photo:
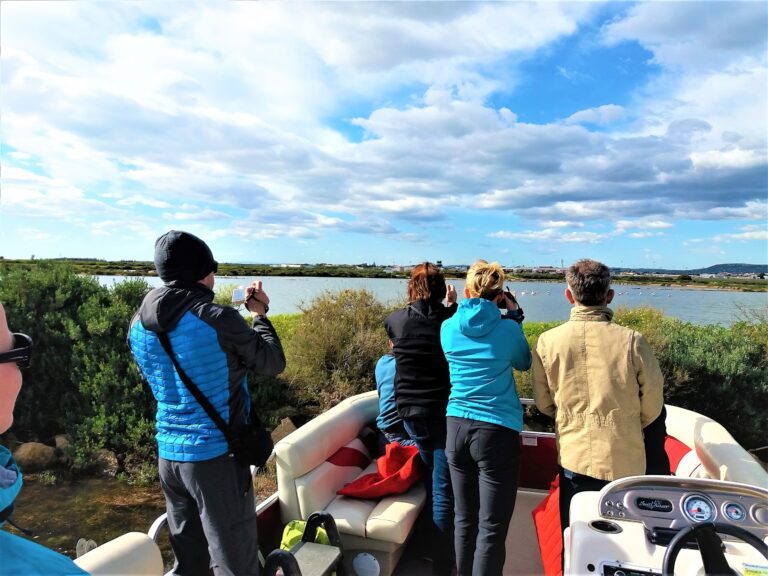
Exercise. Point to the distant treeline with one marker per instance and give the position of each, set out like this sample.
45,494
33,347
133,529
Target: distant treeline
96,267
144,268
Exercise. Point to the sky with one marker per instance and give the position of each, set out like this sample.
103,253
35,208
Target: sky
392,132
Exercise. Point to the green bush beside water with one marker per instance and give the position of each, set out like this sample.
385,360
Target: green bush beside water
83,380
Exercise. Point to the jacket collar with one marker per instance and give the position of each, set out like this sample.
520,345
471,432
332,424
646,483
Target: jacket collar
10,483
591,313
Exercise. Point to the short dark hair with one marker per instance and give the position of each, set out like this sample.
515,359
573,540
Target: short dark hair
589,281
427,283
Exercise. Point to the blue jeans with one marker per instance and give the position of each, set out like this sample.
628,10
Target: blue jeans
485,462
429,435
398,434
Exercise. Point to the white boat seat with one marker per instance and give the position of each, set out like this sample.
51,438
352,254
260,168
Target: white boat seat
320,458
134,554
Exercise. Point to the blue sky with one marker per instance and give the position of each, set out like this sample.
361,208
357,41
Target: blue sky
346,132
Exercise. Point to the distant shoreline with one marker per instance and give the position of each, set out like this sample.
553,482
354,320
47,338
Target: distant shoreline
146,269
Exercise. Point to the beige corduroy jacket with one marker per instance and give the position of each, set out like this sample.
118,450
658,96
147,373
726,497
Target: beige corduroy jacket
602,384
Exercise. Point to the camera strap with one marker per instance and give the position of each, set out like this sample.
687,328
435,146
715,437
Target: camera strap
199,396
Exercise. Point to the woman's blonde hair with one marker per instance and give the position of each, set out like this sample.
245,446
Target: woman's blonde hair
485,280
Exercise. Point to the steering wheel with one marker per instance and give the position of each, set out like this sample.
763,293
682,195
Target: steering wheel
710,546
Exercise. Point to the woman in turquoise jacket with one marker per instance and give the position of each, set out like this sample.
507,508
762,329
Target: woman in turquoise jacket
19,555
482,345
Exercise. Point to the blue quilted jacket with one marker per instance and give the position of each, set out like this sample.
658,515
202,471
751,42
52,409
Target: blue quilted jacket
216,348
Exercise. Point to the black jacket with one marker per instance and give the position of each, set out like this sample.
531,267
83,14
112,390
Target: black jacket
422,382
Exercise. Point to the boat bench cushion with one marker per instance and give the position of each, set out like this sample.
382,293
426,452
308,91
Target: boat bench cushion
316,460
393,517
317,488
390,519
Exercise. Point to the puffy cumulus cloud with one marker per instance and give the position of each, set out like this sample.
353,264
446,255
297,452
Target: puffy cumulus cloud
683,35
27,193
713,66
300,119
606,114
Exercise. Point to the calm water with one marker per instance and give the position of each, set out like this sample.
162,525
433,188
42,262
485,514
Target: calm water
542,301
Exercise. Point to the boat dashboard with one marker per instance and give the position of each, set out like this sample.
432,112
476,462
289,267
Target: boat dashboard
626,529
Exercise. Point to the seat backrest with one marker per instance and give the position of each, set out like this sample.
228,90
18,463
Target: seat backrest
315,442
134,554
721,456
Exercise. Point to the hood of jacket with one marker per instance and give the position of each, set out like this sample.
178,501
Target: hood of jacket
477,316
10,483
163,307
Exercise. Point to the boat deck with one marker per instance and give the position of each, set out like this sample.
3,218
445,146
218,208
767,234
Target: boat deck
522,546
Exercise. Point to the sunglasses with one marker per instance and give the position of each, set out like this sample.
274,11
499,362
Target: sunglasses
21,353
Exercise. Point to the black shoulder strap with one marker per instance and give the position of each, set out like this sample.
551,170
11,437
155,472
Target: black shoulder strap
199,396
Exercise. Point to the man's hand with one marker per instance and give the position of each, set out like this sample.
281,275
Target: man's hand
256,300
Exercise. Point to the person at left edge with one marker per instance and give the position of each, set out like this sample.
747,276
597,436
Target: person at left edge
208,494
19,556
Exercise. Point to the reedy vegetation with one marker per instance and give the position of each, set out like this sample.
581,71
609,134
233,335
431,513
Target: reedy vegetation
83,380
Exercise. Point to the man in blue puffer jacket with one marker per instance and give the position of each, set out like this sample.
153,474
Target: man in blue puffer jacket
209,495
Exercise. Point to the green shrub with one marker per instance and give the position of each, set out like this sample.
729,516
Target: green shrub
532,331
44,300
720,372
118,410
334,347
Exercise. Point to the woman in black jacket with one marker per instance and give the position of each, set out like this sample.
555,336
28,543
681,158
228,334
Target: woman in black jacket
422,385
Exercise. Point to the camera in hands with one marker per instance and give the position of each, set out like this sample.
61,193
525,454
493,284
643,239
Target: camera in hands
238,296
503,302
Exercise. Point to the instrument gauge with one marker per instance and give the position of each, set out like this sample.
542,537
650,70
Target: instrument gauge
698,509
734,512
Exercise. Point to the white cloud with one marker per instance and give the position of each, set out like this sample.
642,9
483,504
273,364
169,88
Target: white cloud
602,115
551,235
748,233
144,200
220,112
683,35
622,225
734,158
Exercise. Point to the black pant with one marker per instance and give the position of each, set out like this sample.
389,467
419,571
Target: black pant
484,461
654,436
211,516
570,485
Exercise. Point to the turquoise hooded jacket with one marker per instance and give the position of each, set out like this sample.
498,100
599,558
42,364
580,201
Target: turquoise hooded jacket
482,348
19,555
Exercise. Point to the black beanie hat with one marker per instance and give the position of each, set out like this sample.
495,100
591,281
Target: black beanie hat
183,256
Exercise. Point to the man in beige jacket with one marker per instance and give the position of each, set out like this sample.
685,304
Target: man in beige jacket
602,385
